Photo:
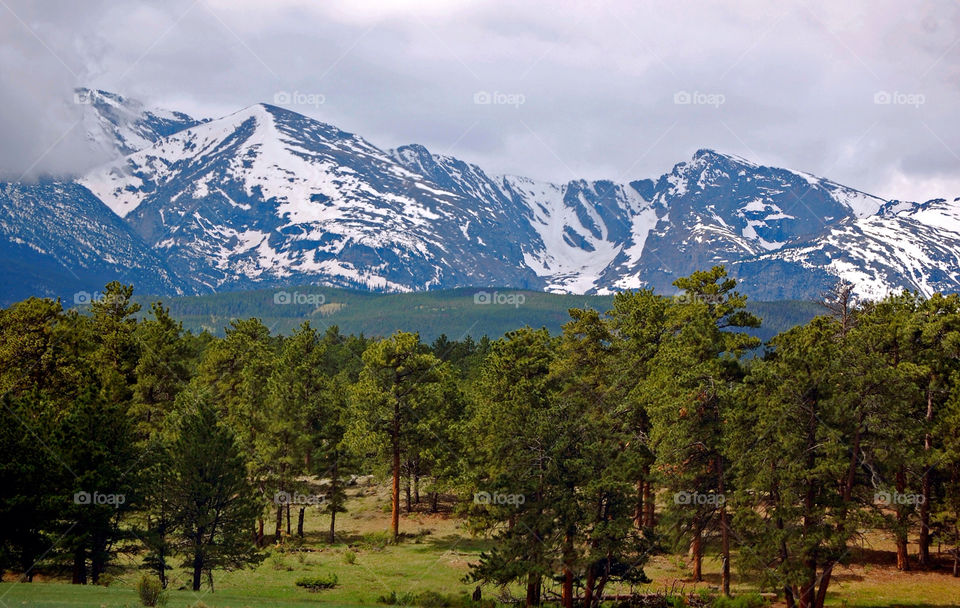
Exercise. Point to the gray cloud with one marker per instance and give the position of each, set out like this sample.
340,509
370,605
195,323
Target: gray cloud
799,81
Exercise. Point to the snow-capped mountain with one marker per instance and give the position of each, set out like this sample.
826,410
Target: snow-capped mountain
267,196
720,208
115,125
904,246
58,239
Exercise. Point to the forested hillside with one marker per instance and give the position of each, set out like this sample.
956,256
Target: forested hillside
578,457
456,313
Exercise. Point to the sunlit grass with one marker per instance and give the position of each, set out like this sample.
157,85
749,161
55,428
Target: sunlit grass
434,556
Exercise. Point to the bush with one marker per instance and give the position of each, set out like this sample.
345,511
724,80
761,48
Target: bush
677,601
151,591
748,600
432,599
279,562
350,558
392,599
377,540
317,583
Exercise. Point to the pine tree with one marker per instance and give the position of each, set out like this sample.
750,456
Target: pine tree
511,441
161,372
398,386
806,425
233,375
639,323
214,500
691,384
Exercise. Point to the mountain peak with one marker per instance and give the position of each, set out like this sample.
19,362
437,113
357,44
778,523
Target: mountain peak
268,195
116,125
710,156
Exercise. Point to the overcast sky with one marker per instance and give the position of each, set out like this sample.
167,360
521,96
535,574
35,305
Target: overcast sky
865,93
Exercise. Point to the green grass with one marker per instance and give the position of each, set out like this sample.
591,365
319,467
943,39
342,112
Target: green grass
434,556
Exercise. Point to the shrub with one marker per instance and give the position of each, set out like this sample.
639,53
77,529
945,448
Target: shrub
432,599
392,599
317,583
748,600
377,540
350,558
151,591
279,562
677,601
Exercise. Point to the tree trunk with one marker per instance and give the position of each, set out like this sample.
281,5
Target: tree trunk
724,534
638,510
566,593
533,591
300,521
923,555
79,566
696,552
824,583
416,488
260,531
197,571
278,538
903,563
788,596
808,592
589,586
162,572
288,519
334,500
395,510
649,519
407,492
434,502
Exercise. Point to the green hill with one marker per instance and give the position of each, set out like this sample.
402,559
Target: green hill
455,312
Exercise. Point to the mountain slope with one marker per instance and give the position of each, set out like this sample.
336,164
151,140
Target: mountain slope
721,209
58,239
904,246
116,125
266,194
